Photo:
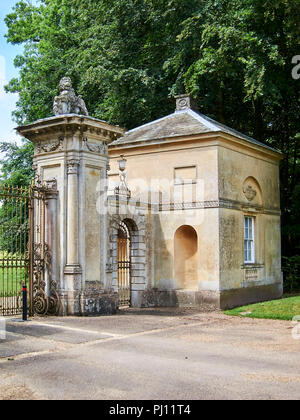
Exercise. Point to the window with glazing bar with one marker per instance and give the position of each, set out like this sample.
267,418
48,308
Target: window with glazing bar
249,248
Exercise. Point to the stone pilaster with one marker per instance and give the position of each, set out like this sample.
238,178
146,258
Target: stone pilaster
73,270
72,217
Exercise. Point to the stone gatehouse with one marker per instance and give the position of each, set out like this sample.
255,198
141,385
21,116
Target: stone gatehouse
179,211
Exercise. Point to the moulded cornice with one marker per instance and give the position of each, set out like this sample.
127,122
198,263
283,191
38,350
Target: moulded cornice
70,123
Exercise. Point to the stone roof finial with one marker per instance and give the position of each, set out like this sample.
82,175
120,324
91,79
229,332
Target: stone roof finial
184,102
67,102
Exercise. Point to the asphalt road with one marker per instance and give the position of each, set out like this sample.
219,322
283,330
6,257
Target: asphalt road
150,354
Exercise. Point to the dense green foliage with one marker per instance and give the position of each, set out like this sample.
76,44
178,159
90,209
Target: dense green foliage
128,57
16,175
16,166
14,219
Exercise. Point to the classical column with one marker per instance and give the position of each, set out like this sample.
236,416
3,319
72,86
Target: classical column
72,263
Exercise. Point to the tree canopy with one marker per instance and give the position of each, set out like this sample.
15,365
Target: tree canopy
128,57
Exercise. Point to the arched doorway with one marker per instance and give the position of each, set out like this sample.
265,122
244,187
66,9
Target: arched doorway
185,257
124,265
134,229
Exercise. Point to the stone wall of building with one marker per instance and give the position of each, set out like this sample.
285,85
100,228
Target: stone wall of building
249,186
227,171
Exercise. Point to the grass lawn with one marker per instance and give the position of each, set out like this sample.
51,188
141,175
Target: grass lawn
11,284
12,277
284,309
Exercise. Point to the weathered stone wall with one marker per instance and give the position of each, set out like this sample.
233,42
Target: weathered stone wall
200,211
154,170
249,186
205,223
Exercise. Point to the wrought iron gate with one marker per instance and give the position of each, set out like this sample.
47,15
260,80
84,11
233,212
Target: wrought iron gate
25,257
124,265
44,299
14,255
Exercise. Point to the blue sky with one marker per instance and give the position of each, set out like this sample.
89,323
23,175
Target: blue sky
7,72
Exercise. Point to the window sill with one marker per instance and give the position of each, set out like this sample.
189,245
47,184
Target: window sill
252,265
187,182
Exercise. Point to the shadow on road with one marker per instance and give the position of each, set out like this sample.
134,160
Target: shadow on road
171,311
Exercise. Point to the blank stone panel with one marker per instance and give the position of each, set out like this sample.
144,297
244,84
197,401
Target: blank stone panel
185,174
93,238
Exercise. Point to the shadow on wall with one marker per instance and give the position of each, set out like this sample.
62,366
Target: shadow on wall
162,293
176,268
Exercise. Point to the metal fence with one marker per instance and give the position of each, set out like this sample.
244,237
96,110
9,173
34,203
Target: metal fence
15,209
25,256
124,265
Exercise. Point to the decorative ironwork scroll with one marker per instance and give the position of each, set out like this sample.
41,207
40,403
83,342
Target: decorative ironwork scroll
44,297
124,265
14,256
25,255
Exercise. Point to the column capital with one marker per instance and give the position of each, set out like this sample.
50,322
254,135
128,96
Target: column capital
73,166
51,188
73,269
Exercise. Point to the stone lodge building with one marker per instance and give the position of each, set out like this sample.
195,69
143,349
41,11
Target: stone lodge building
179,211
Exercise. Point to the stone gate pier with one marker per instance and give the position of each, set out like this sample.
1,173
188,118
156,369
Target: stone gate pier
71,151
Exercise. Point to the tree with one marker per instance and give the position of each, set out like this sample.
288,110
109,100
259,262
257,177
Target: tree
16,176
16,166
127,57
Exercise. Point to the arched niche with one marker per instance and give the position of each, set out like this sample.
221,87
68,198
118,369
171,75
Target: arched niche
186,258
252,192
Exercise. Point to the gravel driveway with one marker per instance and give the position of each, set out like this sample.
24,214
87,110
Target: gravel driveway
150,354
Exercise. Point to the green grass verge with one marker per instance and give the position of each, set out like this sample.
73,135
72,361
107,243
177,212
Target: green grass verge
284,309
12,276
11,283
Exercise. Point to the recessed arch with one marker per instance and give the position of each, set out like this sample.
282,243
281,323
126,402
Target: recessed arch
186,257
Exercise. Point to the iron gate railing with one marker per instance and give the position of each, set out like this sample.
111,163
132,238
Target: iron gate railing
14,256
124,266
25,257
44,298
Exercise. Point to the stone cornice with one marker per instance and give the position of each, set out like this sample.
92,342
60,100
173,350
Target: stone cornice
218,139
73,123
212,204
221,203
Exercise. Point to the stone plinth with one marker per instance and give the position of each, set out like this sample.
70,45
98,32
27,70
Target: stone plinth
72,149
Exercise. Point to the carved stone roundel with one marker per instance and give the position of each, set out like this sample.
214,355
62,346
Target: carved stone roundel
182,103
